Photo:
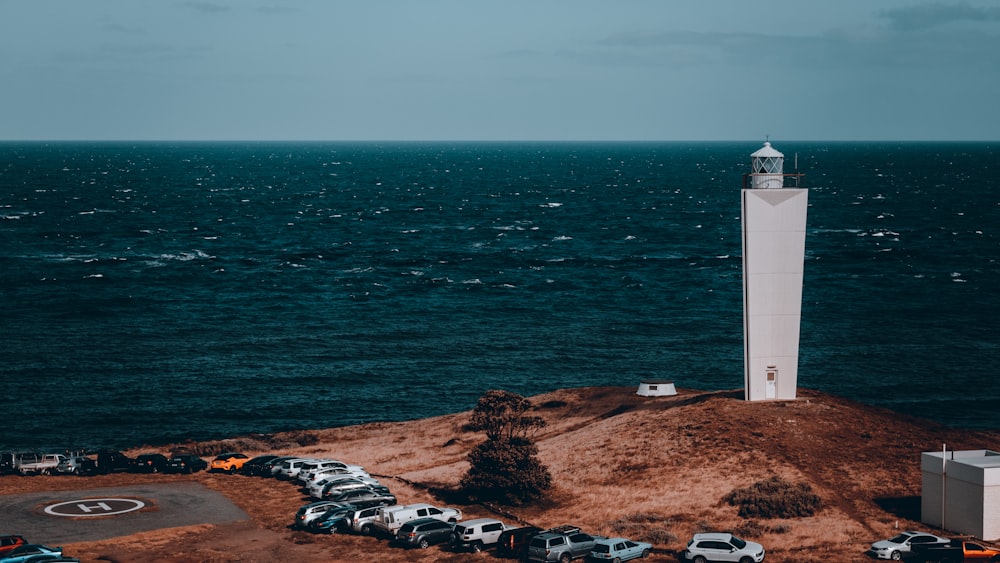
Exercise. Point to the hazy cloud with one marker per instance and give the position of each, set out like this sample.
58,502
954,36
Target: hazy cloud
928,16
207,7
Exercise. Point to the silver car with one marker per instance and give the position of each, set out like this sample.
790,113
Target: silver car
900,546
310,512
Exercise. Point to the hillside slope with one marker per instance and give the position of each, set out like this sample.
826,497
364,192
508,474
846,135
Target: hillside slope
648,468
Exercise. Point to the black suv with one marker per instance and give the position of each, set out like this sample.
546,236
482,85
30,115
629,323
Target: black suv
110,461
149,463
514,542
185,464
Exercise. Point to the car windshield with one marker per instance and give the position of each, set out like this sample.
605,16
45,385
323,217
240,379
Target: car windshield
738,542
900,538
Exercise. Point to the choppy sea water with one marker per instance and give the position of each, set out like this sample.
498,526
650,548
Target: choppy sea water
157,292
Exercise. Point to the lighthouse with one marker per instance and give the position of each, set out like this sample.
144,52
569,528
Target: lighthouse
774,239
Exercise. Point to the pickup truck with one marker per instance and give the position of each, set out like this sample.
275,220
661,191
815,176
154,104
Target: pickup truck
40,465
956,551
562,544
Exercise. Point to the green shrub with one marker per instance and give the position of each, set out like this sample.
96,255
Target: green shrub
505,468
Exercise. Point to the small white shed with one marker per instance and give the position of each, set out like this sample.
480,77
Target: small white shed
961,492
656,388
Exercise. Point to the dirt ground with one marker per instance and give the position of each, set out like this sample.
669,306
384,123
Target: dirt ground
653,469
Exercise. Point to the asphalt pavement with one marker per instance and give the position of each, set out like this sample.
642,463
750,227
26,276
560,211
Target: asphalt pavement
58,517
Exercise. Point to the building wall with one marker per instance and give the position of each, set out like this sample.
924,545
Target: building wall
971,490
774,223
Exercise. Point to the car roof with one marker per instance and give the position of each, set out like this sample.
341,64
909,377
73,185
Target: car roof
478,521
613,540
424,521
713,536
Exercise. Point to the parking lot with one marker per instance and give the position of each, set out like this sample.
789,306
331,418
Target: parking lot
94,514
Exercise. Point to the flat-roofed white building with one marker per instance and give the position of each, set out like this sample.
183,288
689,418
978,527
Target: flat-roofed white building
961,492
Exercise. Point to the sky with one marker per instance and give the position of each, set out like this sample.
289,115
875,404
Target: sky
509,70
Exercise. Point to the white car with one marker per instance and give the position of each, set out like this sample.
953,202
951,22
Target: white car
899,547
337,473
477,534
289,469
722,547
310,469
338,482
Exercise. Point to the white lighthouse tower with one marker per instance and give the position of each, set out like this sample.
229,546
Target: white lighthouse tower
774,241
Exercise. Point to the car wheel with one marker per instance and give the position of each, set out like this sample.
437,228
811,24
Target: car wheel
699,559
565,558
232,470
424,544
746,560
477,547
617,560
645,553
895,556
366,529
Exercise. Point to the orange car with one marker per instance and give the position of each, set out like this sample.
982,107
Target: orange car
230,462
8,543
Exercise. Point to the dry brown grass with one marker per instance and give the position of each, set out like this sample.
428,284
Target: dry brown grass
651,468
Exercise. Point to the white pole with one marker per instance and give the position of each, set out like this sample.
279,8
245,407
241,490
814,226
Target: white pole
944,481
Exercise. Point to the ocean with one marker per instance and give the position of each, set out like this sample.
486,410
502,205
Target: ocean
160,292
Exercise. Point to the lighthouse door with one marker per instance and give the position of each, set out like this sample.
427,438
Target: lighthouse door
771,391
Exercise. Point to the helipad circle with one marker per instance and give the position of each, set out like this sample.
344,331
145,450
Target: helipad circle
94,507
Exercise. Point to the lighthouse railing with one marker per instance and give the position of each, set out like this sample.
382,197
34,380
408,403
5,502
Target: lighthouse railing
788,180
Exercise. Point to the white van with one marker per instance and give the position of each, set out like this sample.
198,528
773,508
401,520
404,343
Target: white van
389,519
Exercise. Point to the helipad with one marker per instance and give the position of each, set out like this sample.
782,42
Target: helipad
95,514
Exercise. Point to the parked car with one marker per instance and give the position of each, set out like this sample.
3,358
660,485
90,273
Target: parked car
424,532
900,546
111,461
390,518
956,551
149,463
335,472
309,512
620,549
333,488
722,547
75,465
289,469
229,462
185,463
39,465
477,534
310,468
331,520
32,552
561,544
513,542
365,498
7,463
8,543
360,520
271,468
254,465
